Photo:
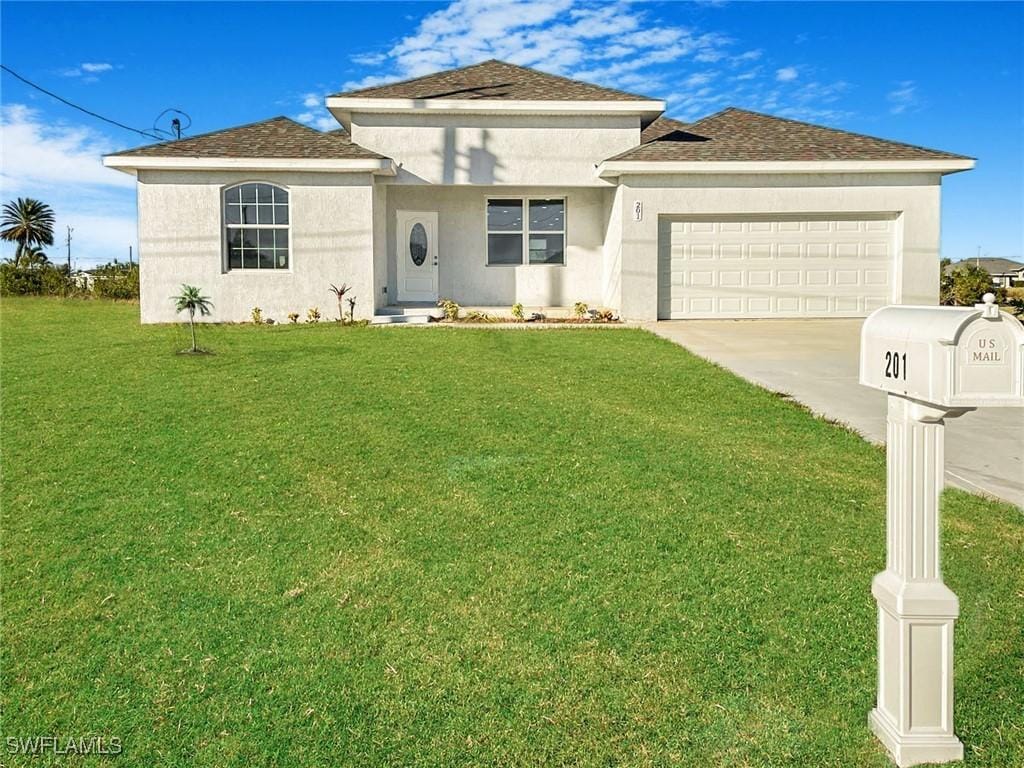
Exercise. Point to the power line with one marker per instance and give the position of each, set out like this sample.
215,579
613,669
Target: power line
75,106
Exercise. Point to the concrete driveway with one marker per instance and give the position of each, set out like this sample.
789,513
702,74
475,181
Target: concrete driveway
816,362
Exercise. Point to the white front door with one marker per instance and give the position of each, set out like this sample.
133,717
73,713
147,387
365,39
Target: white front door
416,237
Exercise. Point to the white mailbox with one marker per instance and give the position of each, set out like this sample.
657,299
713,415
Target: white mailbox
956,357
935,363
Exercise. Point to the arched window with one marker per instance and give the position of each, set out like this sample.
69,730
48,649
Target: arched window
256,224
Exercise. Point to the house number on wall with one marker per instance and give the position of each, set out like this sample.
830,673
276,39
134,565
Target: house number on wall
638,210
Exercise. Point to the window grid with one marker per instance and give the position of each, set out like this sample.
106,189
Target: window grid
256,225
526,230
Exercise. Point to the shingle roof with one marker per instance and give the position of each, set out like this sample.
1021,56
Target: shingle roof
994,266
661,128
278,137
497,80
738,134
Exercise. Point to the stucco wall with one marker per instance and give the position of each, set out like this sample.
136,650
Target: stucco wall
915,198
181,240
462,247
497,149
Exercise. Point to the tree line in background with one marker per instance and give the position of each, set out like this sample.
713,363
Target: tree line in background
29,225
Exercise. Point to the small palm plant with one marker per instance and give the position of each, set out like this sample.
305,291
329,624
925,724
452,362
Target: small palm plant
192,300
339,293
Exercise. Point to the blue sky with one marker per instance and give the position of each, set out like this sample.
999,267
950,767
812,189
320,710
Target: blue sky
945,75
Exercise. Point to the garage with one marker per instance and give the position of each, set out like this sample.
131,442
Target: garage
775,266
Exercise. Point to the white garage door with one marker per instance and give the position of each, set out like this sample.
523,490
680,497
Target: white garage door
760,267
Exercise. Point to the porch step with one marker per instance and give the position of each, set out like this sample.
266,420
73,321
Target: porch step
395,319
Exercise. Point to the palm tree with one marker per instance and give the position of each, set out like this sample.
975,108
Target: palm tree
27,222
339,294
191,299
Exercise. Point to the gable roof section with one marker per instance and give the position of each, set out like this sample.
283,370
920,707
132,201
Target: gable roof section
278,137
662,128
493,80
738,135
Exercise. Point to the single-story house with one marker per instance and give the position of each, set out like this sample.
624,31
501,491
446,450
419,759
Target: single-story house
1004,272
495,184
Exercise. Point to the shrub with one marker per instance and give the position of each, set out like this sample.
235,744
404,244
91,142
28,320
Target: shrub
116,280
480,317
37,280
579,310
517,311
351,310
313,315
604,316
293,317
450,308
965,284
257,316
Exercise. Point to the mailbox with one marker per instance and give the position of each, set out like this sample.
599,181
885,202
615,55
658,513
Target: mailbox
953,357
935,363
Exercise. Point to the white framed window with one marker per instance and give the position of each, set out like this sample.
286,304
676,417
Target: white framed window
256,224
525,230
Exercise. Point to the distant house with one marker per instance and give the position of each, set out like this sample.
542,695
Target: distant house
1004,273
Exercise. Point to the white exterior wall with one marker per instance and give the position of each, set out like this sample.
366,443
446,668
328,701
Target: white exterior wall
463,272
612,268
914,198
497,149
181,240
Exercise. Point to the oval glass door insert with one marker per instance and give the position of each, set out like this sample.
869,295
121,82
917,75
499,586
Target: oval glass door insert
418,244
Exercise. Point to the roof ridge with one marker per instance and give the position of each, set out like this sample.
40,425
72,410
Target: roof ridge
832,130
414,79
521,67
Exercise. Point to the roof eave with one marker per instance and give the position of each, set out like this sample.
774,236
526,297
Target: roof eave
342,107
132,164
614,168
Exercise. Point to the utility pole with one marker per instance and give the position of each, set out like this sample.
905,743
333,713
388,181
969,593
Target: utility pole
68,241
129,255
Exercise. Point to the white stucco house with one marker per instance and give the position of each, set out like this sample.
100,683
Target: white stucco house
495,184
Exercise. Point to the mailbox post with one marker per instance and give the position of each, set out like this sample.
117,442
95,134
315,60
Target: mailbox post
935,363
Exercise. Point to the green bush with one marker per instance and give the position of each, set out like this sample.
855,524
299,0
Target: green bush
116,280
38,280
965,284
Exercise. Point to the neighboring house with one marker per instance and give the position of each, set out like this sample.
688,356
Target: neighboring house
495,184
1003,272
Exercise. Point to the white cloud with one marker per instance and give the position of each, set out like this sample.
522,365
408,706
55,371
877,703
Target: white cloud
786,74
322,121
61,165
90,69
311,100
95,67
903,97
43,154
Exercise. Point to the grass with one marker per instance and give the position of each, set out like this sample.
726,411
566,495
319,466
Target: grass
449,547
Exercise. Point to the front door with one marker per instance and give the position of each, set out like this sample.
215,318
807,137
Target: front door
417,255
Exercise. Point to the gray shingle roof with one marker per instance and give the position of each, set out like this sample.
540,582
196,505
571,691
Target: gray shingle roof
493,80
279,137
994,266
738,134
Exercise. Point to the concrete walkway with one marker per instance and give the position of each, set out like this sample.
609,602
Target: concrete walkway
816,362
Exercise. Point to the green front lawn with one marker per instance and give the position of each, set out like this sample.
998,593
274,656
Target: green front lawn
448,547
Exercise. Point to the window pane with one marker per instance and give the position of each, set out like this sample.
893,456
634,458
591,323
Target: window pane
282,258
264,193
265,214
233,214
248,193
280,238
232,195
250,260
265,238
505,215
547,249
234,258
234,238
281,214
248,214
248,238
504,249
280,195
266,259
547,215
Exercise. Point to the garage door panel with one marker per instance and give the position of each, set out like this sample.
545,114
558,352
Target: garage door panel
814,267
